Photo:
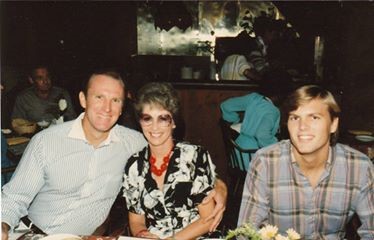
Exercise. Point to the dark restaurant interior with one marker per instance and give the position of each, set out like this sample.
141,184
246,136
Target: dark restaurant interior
155,40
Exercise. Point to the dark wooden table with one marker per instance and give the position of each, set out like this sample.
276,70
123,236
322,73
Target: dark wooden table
364,147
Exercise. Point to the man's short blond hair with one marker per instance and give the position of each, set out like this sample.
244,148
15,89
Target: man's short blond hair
307,93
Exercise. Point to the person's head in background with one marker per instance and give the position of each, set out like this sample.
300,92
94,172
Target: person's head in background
266,28
321,114
40,78
158,102
275,91
102,98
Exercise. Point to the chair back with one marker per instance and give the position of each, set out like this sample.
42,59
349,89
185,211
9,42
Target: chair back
235,155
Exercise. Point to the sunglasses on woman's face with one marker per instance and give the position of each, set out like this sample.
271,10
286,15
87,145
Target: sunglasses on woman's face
163,120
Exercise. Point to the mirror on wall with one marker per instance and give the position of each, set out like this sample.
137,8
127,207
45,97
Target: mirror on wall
189,28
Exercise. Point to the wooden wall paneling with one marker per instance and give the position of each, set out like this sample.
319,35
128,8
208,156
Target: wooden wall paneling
201,113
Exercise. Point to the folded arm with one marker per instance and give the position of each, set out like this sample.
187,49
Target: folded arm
232,106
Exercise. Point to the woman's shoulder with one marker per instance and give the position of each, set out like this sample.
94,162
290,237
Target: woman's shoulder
136,159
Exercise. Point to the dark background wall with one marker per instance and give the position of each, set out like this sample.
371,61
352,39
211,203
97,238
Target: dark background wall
74,37
348,27
70,37
355,66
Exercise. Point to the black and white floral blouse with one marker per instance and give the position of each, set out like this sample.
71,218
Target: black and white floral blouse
189,178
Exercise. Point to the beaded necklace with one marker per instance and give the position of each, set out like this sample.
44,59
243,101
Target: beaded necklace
164,165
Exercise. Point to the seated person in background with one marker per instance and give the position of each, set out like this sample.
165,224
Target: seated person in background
41,101
260,122
255,51
310,183
236,67
165,183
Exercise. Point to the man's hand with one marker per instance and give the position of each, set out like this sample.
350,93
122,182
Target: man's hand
4,231
252,74
219,194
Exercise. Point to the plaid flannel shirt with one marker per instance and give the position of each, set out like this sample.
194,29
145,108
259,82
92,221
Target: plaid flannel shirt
276,192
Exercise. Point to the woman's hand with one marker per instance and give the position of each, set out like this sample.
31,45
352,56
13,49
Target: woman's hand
146,234
219,195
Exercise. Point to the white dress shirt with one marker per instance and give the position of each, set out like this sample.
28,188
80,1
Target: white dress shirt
234,66
63,183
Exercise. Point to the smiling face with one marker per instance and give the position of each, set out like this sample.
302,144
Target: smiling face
310,126
103,105
157,126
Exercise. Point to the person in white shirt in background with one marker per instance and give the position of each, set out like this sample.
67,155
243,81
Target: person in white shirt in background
249,61
236,67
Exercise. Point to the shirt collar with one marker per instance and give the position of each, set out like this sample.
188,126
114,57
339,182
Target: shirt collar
328,162
77,132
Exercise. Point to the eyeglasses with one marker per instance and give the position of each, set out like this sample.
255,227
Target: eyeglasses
162,120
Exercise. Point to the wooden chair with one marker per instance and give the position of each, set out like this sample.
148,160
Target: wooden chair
117,223
236,174
235,156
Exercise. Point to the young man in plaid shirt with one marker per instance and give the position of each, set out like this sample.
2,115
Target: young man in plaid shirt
309,183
